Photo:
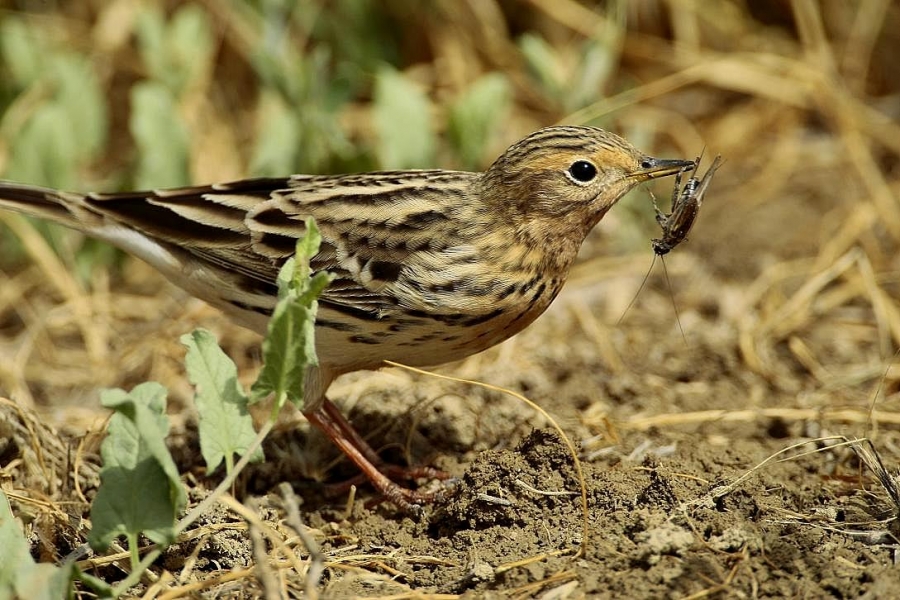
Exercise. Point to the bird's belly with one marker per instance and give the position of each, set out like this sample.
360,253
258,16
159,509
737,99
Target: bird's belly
415,339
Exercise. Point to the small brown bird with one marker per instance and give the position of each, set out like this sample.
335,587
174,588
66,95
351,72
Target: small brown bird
430,266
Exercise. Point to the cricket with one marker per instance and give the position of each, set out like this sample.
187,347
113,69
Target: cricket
685,207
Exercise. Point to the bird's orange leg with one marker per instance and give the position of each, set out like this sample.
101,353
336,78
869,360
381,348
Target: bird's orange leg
392,471
333,424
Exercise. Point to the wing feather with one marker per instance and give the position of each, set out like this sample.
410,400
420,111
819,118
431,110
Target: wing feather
380,232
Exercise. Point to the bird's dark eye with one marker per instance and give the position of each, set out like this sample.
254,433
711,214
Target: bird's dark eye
583,171
647,164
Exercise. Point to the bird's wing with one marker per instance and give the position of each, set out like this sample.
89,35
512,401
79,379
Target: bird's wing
244,231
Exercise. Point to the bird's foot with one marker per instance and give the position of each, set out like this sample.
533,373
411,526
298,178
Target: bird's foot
380,474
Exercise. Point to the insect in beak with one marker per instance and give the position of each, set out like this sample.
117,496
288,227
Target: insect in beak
686,203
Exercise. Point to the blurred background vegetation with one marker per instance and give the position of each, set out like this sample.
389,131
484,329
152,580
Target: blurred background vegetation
802,98
124,94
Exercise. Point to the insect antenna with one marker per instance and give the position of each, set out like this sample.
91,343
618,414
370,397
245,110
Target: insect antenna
638,292
672,296
660,217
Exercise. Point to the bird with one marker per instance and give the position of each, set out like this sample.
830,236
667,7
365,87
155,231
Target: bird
428,266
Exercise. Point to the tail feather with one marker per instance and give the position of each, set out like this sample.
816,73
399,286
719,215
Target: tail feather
207,252
36,201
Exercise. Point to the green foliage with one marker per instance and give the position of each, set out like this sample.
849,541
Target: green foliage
21,52
299,131
65,125
586,80
44,149
20,576
476,116
542,63
78,92
60,129
362,35
289,348
300,93
595,70
278,147
176,53
160,135
402,115
140,490
226,427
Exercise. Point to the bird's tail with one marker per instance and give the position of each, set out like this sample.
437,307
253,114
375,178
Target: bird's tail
36,201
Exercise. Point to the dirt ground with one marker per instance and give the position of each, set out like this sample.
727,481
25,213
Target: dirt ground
711,417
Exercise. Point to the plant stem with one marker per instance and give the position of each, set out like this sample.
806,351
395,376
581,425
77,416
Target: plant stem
229,479
132,539
136,572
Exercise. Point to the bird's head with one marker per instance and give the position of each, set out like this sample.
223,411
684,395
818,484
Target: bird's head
564,179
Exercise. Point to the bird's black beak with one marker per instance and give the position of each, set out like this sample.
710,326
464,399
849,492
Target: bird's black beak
653,168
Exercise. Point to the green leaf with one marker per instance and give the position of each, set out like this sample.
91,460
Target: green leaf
226,427
44,150
403,121
43,581
294,275
65,124
178,52
21,53
541,60
160,135
140,490
298,107
151,38
363,35
600,58
20,576
289,348
189,44
16,556
596,67
477,115
278,142
80,95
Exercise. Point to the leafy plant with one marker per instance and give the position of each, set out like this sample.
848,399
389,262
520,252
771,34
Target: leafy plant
574,84
289,347
178,52
175,54
299,131
476,116
160,135
141,491
402,114
226,427
65,124
20,575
